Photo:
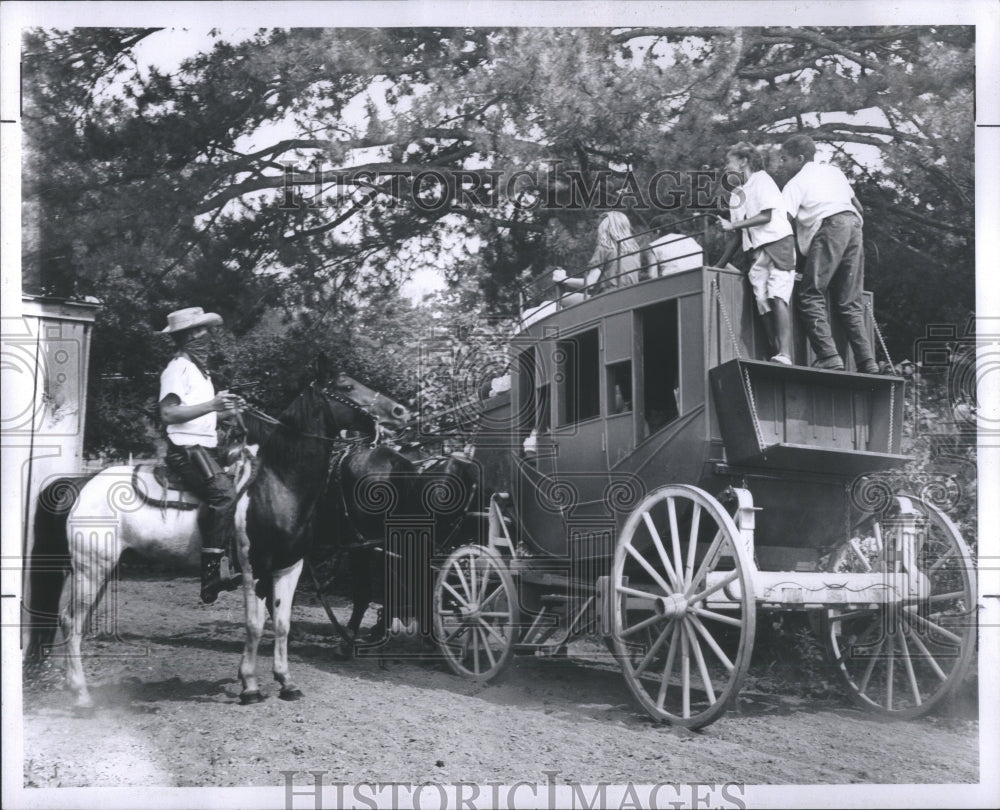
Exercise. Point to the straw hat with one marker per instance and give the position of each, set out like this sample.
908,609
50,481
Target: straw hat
190,318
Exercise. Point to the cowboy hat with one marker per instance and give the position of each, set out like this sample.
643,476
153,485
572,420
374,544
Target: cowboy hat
190,318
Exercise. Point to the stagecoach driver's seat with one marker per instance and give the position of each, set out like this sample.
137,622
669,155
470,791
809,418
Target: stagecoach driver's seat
189,407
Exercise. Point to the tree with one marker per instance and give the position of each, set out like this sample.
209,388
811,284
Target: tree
236,179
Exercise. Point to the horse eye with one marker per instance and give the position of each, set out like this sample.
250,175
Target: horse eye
398,410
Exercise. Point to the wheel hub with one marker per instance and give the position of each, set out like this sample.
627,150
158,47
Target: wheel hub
672,605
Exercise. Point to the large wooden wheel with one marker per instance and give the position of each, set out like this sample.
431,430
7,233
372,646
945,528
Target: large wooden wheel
903,659
682,604
476,617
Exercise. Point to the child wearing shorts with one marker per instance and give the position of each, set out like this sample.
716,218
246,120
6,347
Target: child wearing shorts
756,208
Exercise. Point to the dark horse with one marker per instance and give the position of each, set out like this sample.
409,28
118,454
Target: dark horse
99,517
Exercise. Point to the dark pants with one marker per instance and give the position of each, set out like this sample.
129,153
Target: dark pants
835,264
199,469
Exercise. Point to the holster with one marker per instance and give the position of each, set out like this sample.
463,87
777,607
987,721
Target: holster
203,461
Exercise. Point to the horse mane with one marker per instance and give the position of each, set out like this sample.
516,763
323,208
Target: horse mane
298,434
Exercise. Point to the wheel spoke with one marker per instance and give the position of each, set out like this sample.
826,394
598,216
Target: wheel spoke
654,648
652,571
685,676
473,578
931,661
481,586
708,562
492,631
489,652
661,694
717,617
941,561
625,589
713,645
934,628
863,686
675,540
475,651
890,670
911,676
456,594
635,628
461,629
722,583
700,659
461,577
493,595
692,543
655,535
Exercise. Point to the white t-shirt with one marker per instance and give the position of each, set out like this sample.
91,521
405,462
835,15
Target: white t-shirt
816,192
760,193
184,379
675,252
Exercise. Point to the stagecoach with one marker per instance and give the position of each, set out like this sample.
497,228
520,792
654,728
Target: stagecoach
650,480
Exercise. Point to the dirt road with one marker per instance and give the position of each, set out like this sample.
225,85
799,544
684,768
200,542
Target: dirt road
169,715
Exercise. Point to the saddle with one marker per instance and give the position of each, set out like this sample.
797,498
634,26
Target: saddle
158,485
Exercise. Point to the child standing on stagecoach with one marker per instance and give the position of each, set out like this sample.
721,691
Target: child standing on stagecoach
828,224
756,208
616,261
189,408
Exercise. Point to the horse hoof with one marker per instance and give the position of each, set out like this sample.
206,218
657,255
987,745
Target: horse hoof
83,712
290,694
247,698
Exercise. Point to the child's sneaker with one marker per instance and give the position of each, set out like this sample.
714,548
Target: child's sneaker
784,359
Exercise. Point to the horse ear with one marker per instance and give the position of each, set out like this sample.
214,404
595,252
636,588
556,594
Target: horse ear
322,367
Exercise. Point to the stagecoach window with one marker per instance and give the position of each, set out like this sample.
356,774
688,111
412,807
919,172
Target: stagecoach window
659,365
619,388
579,383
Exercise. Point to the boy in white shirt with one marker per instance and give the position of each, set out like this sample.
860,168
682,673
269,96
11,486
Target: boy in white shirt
757,209
828,223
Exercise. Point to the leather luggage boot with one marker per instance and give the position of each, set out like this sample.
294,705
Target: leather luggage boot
212,581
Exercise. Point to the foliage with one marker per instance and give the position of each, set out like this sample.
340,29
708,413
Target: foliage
225,181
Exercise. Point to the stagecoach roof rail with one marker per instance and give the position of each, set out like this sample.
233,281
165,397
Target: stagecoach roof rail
664,226
552,290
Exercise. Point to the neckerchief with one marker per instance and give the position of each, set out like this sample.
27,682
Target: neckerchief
197,349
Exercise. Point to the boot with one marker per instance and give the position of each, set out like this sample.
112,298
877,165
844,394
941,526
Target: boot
212,581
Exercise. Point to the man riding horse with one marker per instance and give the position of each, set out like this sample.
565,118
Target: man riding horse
189,407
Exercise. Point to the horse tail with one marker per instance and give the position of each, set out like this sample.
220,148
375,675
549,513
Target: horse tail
49,564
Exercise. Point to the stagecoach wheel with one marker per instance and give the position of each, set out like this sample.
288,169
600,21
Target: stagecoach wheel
475,612
901,660
683,609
